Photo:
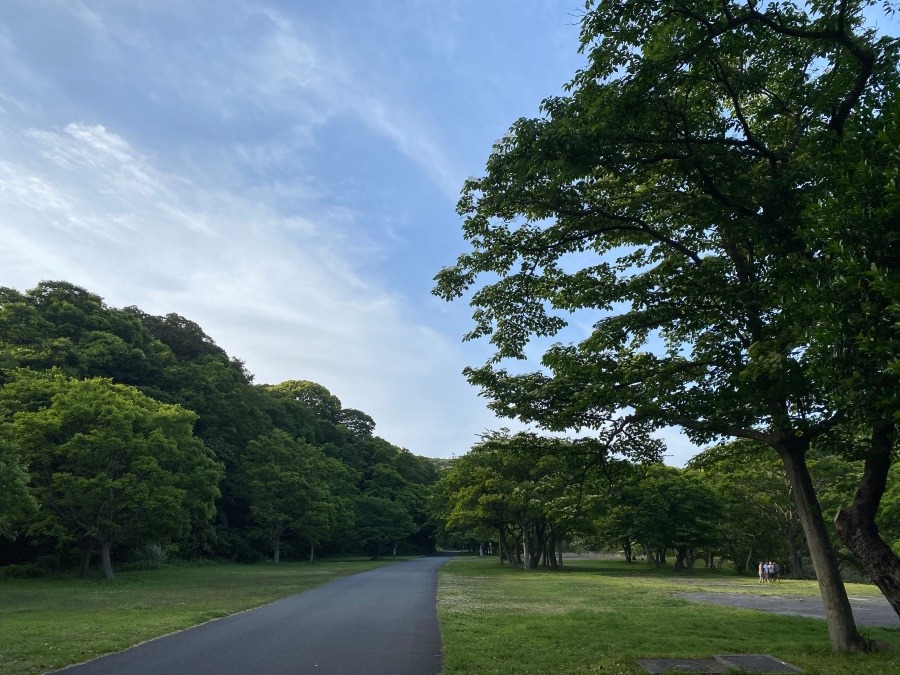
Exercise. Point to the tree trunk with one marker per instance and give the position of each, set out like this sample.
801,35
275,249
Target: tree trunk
526,545
794,550
842,630
550,550
516,560
276,532
749,558
626,549
539,548
105,559
856,524
312,553
87,548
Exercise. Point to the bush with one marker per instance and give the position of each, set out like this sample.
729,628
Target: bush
148,557
25,571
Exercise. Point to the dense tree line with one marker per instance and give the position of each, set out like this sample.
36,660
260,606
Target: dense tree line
531,496
717,195
120,430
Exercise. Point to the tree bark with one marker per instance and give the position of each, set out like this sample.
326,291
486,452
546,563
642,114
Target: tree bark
842,631
516,560
105,559
526,545
552,545
794,550
87,548
856,524
277,531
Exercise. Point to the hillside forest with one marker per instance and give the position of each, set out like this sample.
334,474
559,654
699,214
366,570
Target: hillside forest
126,436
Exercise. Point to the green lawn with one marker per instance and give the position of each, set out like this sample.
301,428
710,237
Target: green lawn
601,616
49,623
593,617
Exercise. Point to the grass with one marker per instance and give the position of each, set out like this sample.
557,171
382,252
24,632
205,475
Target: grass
49,623
601,616
593,617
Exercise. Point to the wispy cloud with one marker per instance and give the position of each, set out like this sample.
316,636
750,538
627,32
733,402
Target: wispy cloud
282,173
88,208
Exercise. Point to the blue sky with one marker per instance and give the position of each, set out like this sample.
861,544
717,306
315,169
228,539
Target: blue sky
285,174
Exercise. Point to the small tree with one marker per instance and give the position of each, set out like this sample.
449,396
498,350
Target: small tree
380,522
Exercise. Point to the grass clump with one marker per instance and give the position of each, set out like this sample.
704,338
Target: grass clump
601,616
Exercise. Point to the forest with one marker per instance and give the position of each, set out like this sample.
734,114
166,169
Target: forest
529,499
136,437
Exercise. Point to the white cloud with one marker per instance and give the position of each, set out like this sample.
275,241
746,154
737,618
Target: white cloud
87,208
309,76
178,157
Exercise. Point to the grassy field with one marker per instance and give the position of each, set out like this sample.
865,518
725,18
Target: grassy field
48,623
601,616
593,617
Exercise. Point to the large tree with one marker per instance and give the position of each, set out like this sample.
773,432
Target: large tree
662,508
291,484
690,194
107,464
531,492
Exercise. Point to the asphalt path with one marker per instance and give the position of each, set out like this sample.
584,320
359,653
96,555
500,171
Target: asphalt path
868,611
383,621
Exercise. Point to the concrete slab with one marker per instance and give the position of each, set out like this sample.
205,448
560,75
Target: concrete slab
757,663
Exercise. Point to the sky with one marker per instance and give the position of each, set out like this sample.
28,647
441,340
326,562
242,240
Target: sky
284,174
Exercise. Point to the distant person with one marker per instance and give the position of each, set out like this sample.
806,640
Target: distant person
762,572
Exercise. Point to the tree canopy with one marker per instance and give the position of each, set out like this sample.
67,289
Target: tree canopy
108,464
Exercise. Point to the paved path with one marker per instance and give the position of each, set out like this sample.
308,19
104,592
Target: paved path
383,621
868,611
